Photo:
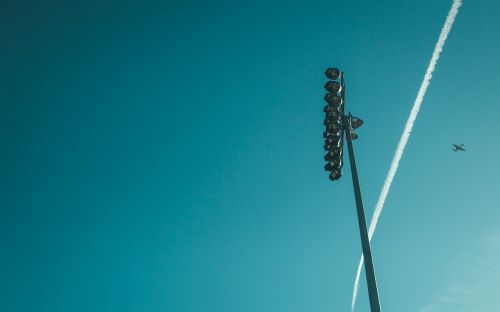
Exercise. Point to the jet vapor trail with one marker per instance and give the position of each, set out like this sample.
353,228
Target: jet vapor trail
407,131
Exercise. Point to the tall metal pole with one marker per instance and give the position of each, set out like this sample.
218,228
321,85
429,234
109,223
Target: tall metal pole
365,243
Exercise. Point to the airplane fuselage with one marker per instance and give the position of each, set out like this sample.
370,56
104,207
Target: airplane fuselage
458,147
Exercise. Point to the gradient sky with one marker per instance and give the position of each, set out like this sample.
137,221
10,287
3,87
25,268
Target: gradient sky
167,156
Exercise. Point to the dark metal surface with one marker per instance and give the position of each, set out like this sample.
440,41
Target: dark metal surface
365,243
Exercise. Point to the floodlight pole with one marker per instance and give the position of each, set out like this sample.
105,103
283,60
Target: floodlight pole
365,242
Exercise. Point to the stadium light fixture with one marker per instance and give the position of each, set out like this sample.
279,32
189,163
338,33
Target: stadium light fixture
338,124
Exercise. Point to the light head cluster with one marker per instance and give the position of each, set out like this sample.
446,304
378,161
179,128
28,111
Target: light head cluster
334,123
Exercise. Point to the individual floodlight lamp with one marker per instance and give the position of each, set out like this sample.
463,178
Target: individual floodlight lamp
333,73
333,99
333,153
333,86
331,134
328,147
354,135
333,140
335,174
336,162
333,115
333,165
333,126
356,122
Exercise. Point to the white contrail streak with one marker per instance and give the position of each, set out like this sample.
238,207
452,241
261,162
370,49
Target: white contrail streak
407,131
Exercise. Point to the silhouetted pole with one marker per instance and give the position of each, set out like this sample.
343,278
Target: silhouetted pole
365,242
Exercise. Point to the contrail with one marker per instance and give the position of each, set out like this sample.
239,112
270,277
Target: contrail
407,131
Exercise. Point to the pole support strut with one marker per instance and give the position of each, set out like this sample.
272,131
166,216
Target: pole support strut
365,242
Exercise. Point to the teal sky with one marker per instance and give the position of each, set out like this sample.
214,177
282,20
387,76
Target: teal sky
168,156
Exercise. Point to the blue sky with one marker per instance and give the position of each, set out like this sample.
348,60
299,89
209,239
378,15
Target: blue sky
167,156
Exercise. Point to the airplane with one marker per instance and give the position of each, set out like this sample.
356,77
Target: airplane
457,148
